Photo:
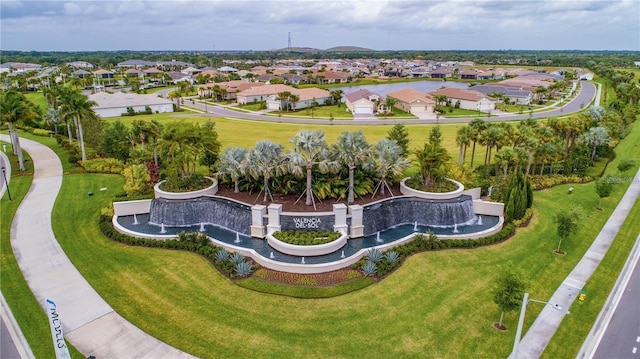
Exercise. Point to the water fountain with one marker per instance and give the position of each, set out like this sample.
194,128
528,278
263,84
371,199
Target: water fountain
302,261
135,219
237,238
415,226
271,256
455,228
202,227
191,212
431,213
479,220
378,239
489,191
342,255
162,230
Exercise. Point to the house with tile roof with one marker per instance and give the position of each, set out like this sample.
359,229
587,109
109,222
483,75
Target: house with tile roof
362,102
306,98
114,105
413,101
103,74
467,99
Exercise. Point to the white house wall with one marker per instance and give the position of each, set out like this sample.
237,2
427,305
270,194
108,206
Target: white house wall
118,111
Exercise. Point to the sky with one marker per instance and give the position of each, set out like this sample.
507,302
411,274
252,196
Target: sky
214,25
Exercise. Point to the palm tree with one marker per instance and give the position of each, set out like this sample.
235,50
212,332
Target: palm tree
477,126
231,163
264,160
505,157
352,150
597,136
284,98
431,158
336,96
15,108
309,150
463,139
491,137
77,106
389,161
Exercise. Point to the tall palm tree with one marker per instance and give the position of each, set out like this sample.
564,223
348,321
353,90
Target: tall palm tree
231,163
463,139
309,150
352,150
77,106
16,108
490,138
389,162
597,136
477,126
264,160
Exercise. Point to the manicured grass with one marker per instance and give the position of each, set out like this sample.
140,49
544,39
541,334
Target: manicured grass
259,285
38,99
27,311
438,304
253,131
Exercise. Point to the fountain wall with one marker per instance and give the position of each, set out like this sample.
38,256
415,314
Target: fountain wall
208,210
427,212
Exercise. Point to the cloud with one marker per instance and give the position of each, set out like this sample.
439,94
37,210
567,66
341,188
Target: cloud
262,25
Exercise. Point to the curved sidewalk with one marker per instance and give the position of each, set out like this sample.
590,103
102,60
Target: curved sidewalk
89,323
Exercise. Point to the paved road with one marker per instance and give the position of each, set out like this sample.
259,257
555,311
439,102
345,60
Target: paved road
583,98
621,338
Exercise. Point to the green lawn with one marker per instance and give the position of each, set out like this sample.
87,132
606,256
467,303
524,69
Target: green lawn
38,99
438,304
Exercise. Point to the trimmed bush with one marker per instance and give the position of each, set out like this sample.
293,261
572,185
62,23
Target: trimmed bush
103,165
306,238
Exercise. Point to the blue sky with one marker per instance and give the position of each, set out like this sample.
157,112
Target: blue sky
264,25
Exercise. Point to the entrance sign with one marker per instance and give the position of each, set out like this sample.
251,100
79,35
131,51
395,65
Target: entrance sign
62,352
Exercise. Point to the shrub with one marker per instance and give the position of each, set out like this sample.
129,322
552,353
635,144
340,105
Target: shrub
369,269
236,258
221,255
626,164
103,165
41,132
242,269
374,255
307,281
391,256
306,238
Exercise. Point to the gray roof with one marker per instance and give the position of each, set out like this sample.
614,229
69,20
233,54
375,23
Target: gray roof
507,91
121,99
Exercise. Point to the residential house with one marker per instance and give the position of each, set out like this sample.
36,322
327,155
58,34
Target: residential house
306,98
103,74
258,93
413,101
362,102
179,76
227,69
114,105
441,73
468,75
514,95
81,73
138,64
80,65
329,77
229,89
467,99
269,93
